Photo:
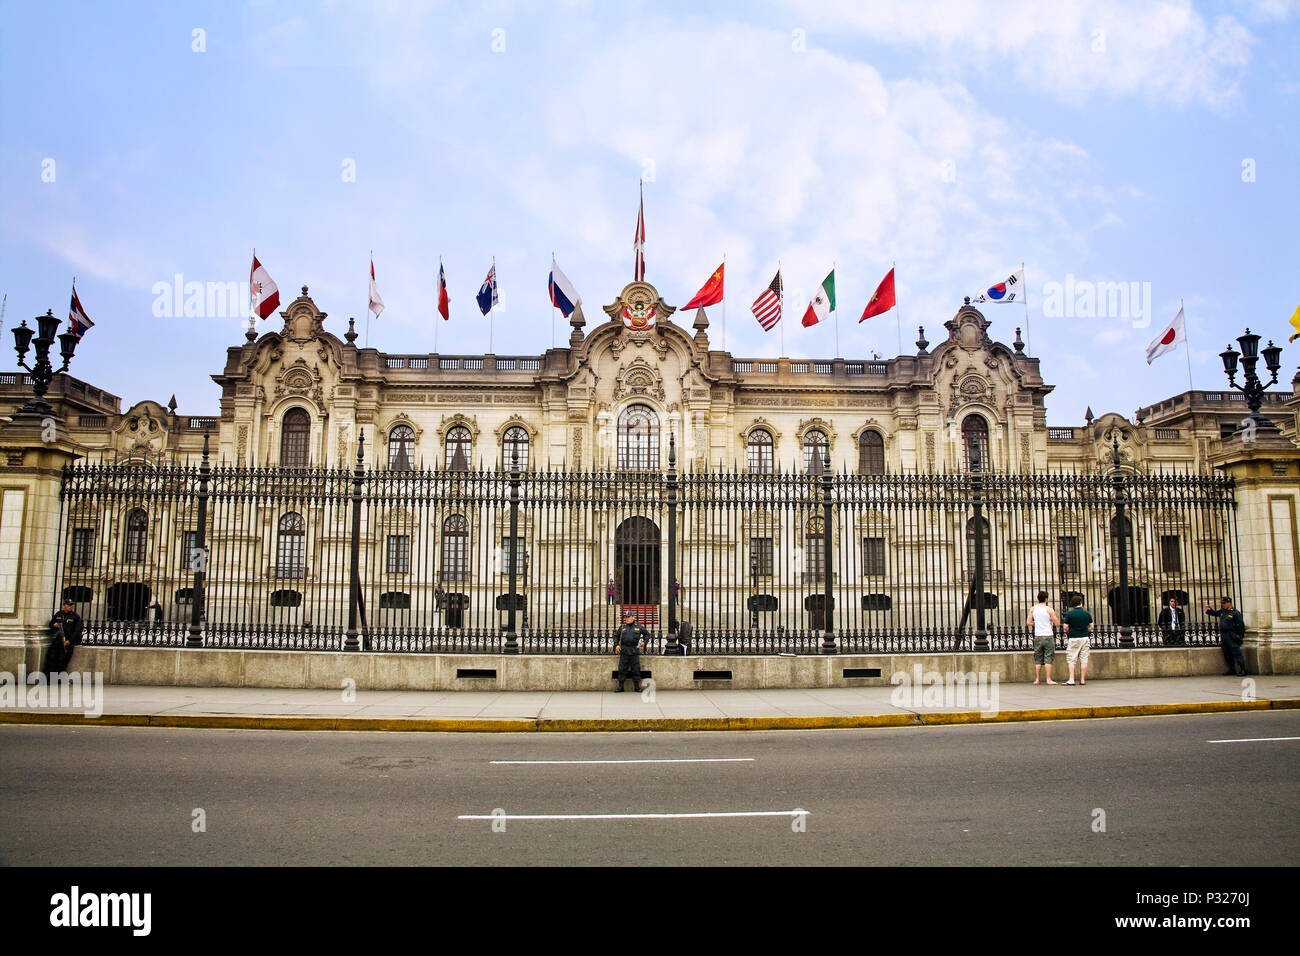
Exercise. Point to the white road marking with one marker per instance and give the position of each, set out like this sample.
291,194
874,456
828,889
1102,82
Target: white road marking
1250,740
633,816
666,760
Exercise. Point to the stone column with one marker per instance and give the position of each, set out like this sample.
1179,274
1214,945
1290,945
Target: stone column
1267,472
31,474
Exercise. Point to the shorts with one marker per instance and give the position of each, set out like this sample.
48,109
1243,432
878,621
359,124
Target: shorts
1077,648
1044,649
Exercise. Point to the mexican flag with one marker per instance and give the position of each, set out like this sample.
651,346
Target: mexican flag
823,303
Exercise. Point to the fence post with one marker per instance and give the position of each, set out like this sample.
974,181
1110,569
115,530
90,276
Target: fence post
199,554
512,641
354,578
1122,606
828,593
671,646
977,497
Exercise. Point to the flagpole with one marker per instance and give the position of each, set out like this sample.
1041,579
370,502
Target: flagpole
1028,347
898,313
553,305
724,303
837,316
437,316
251,324
492,308
1187,347
781,307
372,275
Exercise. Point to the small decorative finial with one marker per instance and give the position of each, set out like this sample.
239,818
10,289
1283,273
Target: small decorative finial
672,450
361,446
171,406
701,320
304,290
1088,416
921,343
351,333
1019,342
968,300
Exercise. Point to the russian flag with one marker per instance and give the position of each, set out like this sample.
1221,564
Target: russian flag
563,295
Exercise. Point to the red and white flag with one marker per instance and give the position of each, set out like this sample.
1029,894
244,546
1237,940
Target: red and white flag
1167,340
444,304
376,303
264,294
638,242
767,307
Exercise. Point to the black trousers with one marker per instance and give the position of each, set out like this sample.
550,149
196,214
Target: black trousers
629,665
58,657
1232,653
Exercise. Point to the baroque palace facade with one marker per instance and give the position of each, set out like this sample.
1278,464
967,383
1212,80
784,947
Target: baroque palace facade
301,395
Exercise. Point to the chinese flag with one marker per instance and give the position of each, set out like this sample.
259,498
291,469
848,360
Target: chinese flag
711,294
883,300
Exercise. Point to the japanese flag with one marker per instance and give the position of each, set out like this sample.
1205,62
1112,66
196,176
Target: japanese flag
1167,340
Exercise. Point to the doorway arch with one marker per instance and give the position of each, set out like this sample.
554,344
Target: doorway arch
636,561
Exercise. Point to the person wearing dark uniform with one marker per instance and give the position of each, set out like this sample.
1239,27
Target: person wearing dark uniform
65,627
1232,631
631,638
1173,624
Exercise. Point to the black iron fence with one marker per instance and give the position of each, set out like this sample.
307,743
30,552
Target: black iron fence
547,561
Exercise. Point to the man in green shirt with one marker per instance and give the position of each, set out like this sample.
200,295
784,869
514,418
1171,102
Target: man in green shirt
1078,640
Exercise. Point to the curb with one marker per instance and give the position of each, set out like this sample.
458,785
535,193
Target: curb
614,725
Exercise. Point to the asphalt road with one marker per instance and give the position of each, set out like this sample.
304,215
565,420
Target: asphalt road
1007,794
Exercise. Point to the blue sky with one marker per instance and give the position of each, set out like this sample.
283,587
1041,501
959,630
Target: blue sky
1108,142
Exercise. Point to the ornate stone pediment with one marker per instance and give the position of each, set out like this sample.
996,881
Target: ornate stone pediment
969,388
401,418
299,379
303,322
638,377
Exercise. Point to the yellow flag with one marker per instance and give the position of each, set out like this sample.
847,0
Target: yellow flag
1295,321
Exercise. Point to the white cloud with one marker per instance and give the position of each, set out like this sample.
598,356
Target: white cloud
1159,49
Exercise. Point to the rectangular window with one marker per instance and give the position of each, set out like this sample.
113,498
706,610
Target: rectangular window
873,556
83,546
399,554
760,557
189,540
1067,554
521,563
815,555
1171,554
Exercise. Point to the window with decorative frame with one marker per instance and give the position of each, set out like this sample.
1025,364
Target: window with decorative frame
514,448
638,438
455,548
401,448
460,445
759,452
295,433
871,453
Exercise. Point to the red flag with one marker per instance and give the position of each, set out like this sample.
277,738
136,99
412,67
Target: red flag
443,307
883,300
710,293
638,241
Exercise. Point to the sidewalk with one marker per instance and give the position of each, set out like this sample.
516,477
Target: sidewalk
471,711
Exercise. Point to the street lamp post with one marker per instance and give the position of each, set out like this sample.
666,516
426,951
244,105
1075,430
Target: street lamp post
1253,387
43,371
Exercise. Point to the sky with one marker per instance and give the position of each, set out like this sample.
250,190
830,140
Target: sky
1153,144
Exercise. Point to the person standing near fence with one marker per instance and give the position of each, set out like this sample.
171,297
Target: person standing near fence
609,589
1045,622
1078,642
66,628
631,638
1232,631
1173,623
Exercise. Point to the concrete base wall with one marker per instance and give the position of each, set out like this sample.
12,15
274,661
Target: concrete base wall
231,668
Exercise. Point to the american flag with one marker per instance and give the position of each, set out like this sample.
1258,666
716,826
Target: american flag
767,307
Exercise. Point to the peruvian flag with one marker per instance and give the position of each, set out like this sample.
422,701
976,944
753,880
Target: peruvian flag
264,293
710,293
444,309
1167,340
823,303
638,241
883,300
376,303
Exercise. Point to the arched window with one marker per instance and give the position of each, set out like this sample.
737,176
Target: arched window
137,537
459,445
758,452
514,447
871,453
401,448
970,545
815,449
638,438
1128,541
291,546
975,441
814,547
294,433
455,548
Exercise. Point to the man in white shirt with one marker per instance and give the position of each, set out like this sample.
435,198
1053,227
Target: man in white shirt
1045,622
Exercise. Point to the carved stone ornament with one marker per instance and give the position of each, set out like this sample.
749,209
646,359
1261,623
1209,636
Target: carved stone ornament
967,389
639,378
764,424
300,380
303,322
450,422
401,418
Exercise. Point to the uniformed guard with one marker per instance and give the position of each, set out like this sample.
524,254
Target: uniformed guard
65,627
631,637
